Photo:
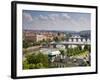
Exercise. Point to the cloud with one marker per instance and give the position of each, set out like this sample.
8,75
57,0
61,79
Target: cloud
27,17
84,21
42,17
55,21
66,16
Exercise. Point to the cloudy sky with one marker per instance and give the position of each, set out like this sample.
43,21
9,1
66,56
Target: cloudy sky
44,20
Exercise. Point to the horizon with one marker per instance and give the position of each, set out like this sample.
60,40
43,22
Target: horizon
55,30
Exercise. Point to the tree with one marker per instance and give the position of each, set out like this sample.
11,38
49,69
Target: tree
34,42
25,65
80,48
56,39
25,44
89,48
58,34
69,51
62,52
74,51
39,65
31,66
43,59
38,59
86,47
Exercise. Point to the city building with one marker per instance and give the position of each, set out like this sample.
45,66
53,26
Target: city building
29,35
37,36
40,37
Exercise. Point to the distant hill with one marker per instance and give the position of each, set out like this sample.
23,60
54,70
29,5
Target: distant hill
86,33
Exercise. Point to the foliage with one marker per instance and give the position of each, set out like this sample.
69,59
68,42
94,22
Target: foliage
87,47
62,52
33,61
31,66
77,50
39,65
56,39
25,65
26,44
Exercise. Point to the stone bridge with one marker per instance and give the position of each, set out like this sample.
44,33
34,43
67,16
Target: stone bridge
72,44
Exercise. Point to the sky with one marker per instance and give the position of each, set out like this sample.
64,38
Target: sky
50,20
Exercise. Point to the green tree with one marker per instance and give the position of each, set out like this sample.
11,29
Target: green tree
74,51
89,48
43,59
62,52
39,65
80,48
36,59
25,44
25,65
31,66
69,51
86,47
32,59
56,39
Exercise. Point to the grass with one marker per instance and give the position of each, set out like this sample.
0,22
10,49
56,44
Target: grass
82,55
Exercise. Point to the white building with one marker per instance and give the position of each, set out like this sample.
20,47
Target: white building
54,54
39,37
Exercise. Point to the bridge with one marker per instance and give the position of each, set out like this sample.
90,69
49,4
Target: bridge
72,44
